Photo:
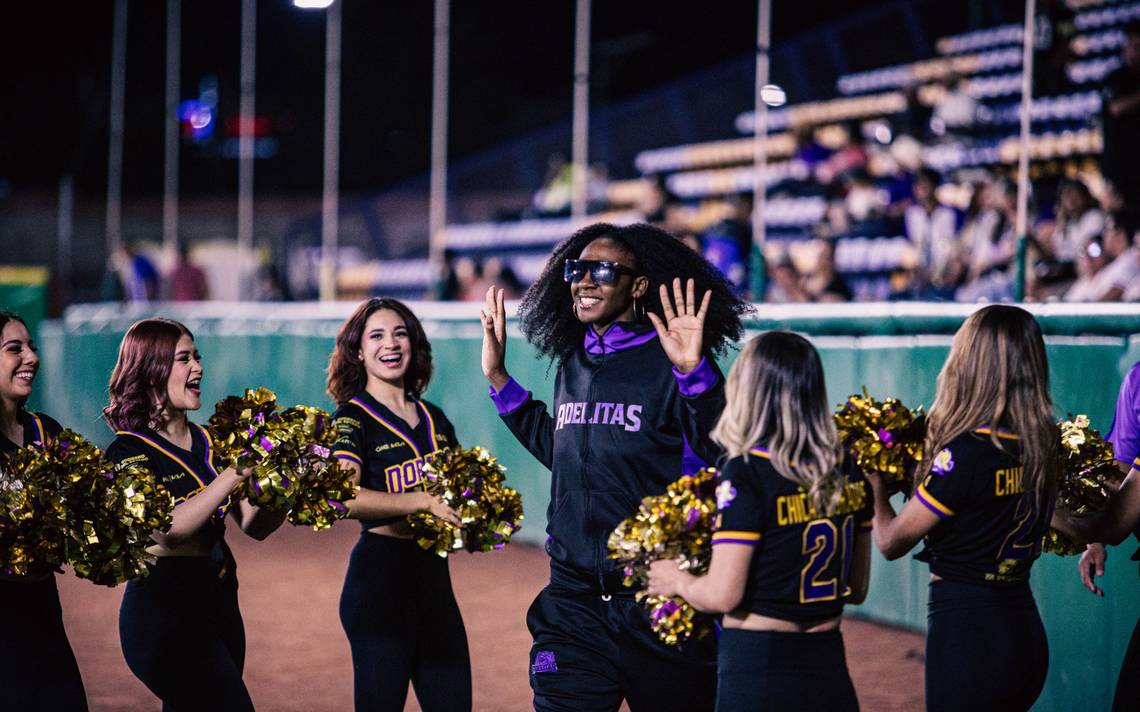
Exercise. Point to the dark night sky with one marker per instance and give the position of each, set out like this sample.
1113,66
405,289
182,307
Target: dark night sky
510,72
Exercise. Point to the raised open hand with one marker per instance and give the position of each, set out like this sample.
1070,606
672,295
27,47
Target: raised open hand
494,318
682,331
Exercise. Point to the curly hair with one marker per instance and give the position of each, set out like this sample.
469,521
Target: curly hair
138,387
346,374
548,321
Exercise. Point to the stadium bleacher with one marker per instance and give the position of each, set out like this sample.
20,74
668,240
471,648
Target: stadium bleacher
986,64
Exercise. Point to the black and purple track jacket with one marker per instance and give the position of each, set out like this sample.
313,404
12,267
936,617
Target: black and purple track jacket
625,424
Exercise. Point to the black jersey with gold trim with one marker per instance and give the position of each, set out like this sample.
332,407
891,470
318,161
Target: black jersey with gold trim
183,472
38,428
802,560
990,529
391,455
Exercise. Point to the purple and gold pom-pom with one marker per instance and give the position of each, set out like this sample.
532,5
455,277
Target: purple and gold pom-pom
884,437
472,482
64,503
290,454
674,525
1088,478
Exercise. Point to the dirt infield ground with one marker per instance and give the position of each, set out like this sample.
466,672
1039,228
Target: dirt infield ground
298,658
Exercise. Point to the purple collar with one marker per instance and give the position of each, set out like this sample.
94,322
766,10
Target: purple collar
619,337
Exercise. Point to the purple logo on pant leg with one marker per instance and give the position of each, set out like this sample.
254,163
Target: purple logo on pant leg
544,662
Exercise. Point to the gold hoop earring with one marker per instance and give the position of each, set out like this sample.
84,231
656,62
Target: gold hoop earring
638,315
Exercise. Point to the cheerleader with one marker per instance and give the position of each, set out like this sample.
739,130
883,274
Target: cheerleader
986,492
37,668
635,397
397,606
792,542
180,627
1120,518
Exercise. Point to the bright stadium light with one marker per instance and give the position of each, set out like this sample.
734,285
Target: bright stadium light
773,95
312,4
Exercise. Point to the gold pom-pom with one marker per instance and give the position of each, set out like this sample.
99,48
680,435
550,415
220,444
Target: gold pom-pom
884,437
472,483
86,513
290,454
1089,476
674,525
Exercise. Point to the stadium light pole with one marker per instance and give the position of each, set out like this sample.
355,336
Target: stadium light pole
580,148
170,153
329,195
437,199
114,220
760,149
1022,226
246,113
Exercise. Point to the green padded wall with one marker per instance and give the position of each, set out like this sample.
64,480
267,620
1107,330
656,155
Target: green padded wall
898,354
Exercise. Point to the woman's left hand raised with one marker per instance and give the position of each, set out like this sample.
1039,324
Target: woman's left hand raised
682,331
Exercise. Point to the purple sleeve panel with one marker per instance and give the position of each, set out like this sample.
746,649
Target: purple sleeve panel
697,381
510,398
691,462
1124,434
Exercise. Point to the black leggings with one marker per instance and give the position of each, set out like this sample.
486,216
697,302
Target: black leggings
182,635
403,624
768,670
37,668
1128,682
985,648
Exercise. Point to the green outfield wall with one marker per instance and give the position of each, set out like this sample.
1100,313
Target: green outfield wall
894,350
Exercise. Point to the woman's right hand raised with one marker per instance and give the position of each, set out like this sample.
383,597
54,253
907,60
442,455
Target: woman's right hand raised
494,318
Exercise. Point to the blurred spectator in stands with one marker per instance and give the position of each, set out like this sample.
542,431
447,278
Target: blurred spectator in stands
728,243
1121,119
808,150
137,274
657,201
495,271
824,283
187,280
271,286
1055,28
1078,219
469,279
1113,265
850,157
597,181
449,282
931,228
723,251
915,120
955,111
863,199
111,289
1111,199
1090,263
784,283
554,196
988,243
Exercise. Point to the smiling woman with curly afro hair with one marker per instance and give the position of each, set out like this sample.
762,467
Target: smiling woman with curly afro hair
548,321
631,317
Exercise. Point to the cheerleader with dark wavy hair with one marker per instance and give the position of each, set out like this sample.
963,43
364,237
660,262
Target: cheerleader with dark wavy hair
37,667
180,627
632,318
397,606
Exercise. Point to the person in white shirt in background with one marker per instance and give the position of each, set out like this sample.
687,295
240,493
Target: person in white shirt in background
1119,277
